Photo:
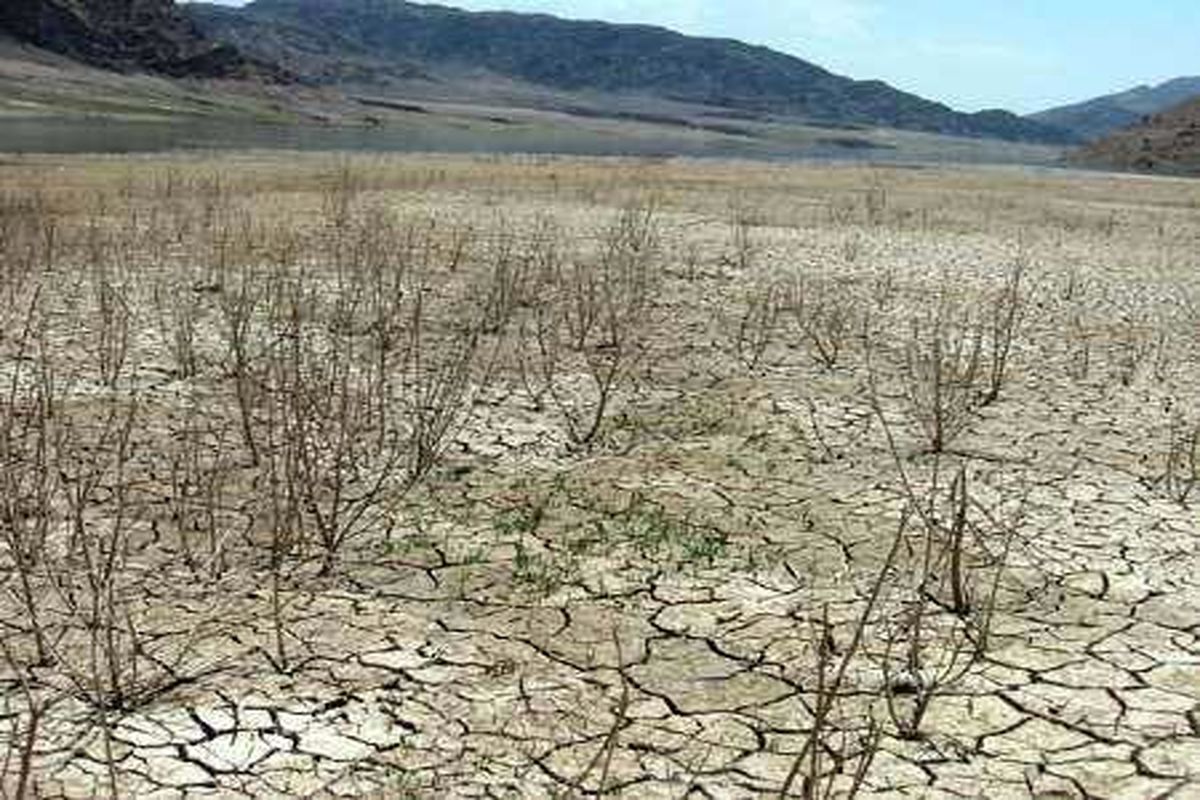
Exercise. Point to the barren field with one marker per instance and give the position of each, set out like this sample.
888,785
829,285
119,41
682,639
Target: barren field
546,477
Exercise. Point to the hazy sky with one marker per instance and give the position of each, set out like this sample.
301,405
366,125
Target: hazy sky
1023,55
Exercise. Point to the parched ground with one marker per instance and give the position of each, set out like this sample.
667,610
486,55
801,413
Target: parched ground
750,560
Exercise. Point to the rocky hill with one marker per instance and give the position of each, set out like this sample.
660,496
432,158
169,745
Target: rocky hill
123,35
372,42
1168,142
1100,116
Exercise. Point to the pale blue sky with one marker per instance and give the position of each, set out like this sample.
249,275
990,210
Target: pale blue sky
1023,55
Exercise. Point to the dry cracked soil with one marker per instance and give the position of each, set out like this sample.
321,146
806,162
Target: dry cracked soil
756,574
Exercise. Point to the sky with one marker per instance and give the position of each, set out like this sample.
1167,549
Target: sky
1023,55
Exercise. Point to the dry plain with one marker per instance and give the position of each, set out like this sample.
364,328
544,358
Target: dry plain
433,476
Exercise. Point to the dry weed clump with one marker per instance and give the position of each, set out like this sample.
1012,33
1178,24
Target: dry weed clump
584,340
349,365
1178,474
760,324
828,317
349,352
944,627
820,314
943,371
955,356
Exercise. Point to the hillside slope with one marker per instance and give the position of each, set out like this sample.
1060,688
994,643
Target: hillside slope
1100,116
1168,142
125,36
366,42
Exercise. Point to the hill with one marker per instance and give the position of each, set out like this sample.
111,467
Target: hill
1168,142
122,35
371,43
1100,116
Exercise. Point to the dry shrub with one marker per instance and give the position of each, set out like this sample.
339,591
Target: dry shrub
942,371
583,343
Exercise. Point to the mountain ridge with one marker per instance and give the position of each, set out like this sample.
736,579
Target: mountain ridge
1098,117
360,42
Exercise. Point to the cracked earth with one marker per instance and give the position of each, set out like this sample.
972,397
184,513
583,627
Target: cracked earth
658,612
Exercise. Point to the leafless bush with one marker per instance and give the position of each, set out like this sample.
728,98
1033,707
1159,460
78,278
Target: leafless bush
178,317
1079,343
109,337
17,766
954,570
200,473
507,287
439,382
1005,310
364,379
106,649
29,243
1134,342
851,247
344,186
742,247
1180,475
945,626
851,762
282,503
883,289
72,513
343,461
759,325
942,371
518,272
1074,286
29,480
933,658
589,334
239,304
831,680
827,317
96,589
949,605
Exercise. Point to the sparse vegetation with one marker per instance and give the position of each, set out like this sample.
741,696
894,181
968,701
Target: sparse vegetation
336,478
